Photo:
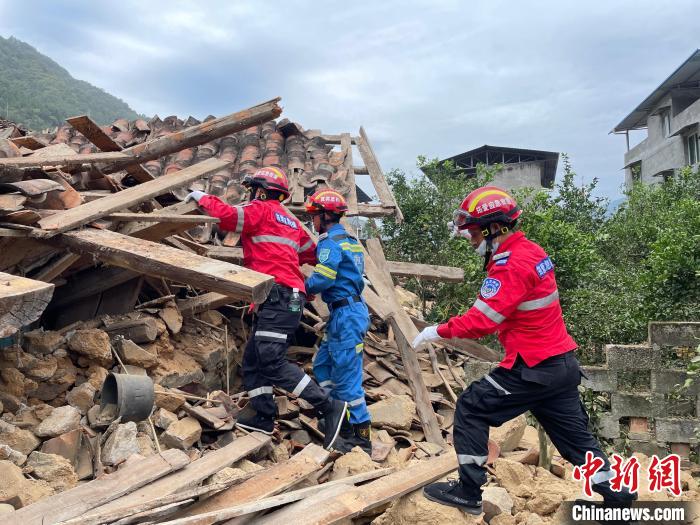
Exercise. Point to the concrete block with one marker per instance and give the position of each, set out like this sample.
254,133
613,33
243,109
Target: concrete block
632,357
600,379
475,370
682,333
609,427
648,448
639,429
677,430
665,381
624,405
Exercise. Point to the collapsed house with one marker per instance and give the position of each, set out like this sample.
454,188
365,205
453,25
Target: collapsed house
104,270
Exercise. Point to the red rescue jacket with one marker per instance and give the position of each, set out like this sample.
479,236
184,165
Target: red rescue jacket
273,241
520,301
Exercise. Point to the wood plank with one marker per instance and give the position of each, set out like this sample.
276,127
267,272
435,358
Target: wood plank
354,501
161,217
202,303
404,331
363,210
273,481
376,174
467,346
163,261
91,211
193,474
255,506
104,142
82,498
75,159
22,301
29,142
346,147
56,268
427,272
90,282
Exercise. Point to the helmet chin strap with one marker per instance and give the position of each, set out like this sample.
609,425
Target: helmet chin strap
489,238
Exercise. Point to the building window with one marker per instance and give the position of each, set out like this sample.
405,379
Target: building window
666,123
691,148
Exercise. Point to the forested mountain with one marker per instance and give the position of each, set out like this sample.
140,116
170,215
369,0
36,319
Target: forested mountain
37,92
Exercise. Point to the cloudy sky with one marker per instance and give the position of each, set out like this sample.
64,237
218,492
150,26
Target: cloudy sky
430,78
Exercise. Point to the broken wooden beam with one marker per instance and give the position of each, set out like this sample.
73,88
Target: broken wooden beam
165,145
80,215
273,481
78,500
426,272
22,301
151,258
466,346
255,505
104,142
405,331
161,217
351,502
346,147
202,303
193,474
377,175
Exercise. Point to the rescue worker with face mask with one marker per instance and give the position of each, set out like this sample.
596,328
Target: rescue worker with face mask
540,373
338,278
273,243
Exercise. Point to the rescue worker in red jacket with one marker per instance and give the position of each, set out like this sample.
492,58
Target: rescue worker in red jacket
276,244
518,300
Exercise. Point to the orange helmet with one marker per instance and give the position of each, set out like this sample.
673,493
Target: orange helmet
270,178
326,201
484,206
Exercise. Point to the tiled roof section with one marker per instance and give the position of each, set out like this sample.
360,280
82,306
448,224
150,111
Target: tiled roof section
306,156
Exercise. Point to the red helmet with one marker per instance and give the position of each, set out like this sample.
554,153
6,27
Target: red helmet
484,206
326,200
270,178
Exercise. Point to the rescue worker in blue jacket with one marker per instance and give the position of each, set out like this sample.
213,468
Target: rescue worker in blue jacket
338,278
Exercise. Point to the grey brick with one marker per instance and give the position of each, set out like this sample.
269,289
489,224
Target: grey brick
648,448
632,405
681,333
664,381
609,427
632,357
600,379
681,430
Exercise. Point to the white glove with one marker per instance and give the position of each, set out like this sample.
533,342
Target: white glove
456,232
194,196
428,335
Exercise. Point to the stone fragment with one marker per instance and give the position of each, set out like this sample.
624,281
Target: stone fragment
496,500
93,344
415,509
163,418
213,317
2,408
354,462
82,397
121,444
56,470
396,412
177,370
96,376
10,454
544,503
10,403
511,474
172,317
503,519
19,439
62,419
66,445
530,438
182,434
226,475
167,400
146,447
133,354
64,378
280,453
11,483
12,382
509,434
43,369
39,342
6,508
247,466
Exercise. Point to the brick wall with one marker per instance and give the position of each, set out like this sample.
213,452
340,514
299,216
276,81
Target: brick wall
656,420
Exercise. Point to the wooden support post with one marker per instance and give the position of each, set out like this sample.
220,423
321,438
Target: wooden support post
80,215
376,174
22,301
405,332
163,261
346,146
104,142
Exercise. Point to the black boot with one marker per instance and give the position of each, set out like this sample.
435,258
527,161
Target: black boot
346,430
254,422
334,416
622,498
361,437
453,494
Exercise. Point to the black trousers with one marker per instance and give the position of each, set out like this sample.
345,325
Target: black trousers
549,390
265,361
